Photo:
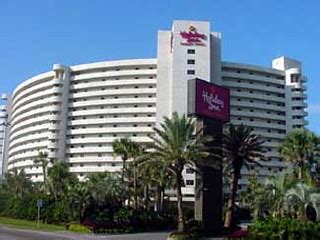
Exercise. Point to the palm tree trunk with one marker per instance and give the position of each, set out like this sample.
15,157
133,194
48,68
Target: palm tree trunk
301,173
161,198
158,198
229,220
44,177
123,169
146,197
181,223
123,200
135,187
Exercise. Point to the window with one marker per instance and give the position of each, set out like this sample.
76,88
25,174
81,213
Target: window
189,171
191,51
191,72
189,182
191,61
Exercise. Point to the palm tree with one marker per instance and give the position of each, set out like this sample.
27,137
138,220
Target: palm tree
79,199
240,148
17,182
154,175
177,144
136,151
43,161
277,188
106,187
123,148
60,179
302,195
300,147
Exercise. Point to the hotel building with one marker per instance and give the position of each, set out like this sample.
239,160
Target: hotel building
75,112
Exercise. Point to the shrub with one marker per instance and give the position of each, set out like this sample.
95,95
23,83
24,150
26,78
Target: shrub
78,228
196,228
181,236
284,228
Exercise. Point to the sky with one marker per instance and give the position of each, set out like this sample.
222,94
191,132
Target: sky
35,34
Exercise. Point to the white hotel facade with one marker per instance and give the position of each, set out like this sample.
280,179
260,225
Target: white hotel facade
75,112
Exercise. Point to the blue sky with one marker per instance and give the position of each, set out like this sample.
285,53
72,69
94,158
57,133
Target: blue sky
35,34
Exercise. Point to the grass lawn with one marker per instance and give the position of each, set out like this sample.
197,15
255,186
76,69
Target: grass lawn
17,223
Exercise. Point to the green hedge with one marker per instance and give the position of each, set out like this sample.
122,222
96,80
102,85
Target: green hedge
78,228
284,228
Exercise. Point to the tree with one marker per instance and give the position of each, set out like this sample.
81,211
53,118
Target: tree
240,148
60,180
277,188
17,183
106,188
300,196
177,144
123,148
300,147
136,151
43,161
155,175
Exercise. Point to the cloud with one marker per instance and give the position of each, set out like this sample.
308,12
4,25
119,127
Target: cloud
314,108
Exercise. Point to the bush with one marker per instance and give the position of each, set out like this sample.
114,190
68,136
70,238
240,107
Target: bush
181,236
78,228
284,228
196,228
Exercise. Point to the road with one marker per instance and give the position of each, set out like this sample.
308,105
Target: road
22,234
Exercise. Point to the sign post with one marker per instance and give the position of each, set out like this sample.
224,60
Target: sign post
39,205
210,103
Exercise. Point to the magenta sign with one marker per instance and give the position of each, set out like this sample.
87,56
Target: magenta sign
210,100
192,37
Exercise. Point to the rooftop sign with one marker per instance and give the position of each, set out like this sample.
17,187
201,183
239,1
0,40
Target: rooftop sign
192,37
